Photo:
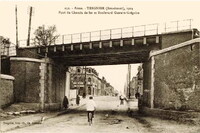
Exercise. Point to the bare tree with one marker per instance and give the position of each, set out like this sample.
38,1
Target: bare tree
45,36
4,40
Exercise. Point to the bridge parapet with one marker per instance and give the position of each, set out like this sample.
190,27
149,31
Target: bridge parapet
111,51
115,46
117,33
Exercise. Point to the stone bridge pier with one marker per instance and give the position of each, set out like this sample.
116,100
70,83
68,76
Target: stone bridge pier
41,82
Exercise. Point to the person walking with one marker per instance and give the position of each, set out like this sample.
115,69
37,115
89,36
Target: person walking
65,102
121,98
77,100
90,107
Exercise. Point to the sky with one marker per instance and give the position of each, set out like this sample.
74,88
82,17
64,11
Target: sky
52,13
116,75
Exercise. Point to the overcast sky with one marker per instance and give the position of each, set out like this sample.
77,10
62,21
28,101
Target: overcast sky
47,13
116,74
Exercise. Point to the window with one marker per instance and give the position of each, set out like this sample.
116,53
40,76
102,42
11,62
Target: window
89,70
89,79
80,79
75,78
89,91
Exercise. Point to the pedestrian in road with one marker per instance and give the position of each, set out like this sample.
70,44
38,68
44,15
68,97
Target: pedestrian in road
121,98
65,102
90,106
137,95
77,100
84,95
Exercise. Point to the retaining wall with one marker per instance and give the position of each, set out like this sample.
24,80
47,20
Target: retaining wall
6,90
177,77
38,81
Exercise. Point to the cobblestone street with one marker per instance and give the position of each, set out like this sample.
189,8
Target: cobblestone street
110,117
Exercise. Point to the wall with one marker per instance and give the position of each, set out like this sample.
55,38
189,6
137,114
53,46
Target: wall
177,74
56,92
133,85
26,86
5,65
6,90
147,83
140,80
54,89
168,40
67,90
173,38
38,82
28,53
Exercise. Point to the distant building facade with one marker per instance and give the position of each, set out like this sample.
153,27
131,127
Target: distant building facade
135,85
86,81
139,83
109,90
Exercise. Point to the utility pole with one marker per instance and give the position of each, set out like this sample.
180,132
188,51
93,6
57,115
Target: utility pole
17,45
0,61
129,80
78,81
29,28
85,84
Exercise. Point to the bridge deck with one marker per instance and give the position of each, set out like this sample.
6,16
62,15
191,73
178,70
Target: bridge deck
106,52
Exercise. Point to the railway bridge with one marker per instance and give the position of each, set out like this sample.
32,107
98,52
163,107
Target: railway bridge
170,63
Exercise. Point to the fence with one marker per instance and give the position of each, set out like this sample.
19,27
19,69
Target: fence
126,32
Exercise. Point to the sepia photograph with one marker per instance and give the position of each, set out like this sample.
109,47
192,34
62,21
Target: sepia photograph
99,66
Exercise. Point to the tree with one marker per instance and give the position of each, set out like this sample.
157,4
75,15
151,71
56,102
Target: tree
1,39
4,40
45,36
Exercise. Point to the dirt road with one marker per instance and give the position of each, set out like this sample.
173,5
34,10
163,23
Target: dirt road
110,118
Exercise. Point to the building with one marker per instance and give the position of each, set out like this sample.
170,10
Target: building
116,93
109,90
133,87
77,79
85,81
139,82
98,90
103,86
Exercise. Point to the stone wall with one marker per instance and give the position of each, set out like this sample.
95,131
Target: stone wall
6,90
28,53
173,38
146,83
26,73
5,65
37,81
58,83
177,78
